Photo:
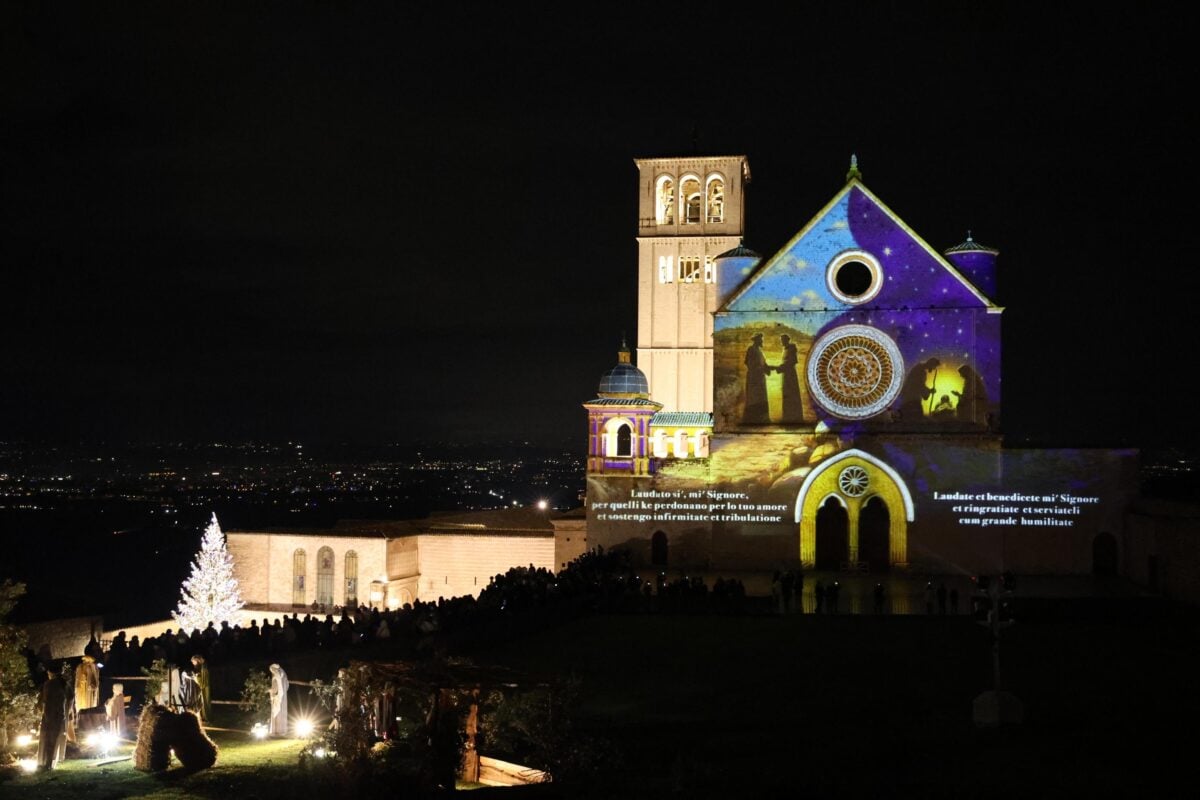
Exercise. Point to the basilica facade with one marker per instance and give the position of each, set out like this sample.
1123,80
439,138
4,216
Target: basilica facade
834,405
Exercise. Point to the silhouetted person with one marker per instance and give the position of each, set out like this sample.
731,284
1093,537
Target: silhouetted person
929,598
819,592
941,598
915,391
832,596
793,408
757,410
878,598
52,731
973,399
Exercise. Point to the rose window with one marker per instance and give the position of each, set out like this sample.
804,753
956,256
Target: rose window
853,481
855,371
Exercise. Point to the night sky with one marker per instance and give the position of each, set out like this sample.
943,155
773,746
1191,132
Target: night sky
390,222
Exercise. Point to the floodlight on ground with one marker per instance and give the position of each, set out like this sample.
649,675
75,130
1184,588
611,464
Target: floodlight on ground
28,764
259,731
304,728
24,740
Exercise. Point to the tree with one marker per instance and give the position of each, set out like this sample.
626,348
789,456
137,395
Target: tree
16,690
211,593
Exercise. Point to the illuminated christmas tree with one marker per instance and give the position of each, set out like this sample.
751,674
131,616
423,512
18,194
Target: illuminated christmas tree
211,593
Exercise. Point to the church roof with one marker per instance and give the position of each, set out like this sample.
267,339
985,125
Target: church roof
626,379
627,402
684,419
488,522
855,219
971,246
741,251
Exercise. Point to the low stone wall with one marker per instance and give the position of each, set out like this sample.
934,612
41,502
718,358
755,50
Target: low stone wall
63,638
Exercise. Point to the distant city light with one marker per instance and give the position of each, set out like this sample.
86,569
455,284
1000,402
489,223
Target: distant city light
542,505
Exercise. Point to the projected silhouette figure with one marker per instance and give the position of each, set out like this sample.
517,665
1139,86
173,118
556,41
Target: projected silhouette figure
793,408
757,410
973,399
915,392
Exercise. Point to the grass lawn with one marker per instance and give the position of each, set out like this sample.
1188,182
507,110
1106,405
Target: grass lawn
810,706
246,768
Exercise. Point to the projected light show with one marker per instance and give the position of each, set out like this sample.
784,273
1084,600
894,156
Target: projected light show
856,322
854,415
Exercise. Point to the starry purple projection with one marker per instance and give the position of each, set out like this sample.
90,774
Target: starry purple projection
946,331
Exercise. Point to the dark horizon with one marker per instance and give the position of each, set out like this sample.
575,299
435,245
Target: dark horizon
337,223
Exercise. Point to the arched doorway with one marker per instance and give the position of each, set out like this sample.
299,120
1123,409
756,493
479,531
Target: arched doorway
1104,555
658,549
873,524
833,535
855,478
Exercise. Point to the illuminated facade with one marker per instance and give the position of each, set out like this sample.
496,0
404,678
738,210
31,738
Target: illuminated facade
690,210
835,405
387,564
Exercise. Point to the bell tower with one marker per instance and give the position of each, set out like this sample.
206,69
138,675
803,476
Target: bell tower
690,211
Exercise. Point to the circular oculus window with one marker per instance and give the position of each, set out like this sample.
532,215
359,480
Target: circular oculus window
853,481
854,277
855,371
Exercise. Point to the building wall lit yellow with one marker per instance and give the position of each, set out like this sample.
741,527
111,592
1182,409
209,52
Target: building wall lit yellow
881,485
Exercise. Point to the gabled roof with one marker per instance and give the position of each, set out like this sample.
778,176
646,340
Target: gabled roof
840,235
683,419
625,402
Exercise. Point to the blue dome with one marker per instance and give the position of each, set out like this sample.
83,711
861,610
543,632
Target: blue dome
625,379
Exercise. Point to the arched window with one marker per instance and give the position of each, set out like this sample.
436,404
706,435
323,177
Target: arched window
664,211
624,441
325,576
666,269
689,269
352,579
692,201
298,568
715,192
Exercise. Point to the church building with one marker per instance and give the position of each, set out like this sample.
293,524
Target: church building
392,563
835,405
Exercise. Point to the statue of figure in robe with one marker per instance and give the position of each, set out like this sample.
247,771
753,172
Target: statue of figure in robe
87,684
278,725
52,731
202,702
115,710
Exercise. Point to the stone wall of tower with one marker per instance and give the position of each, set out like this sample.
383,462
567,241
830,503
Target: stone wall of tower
676,303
